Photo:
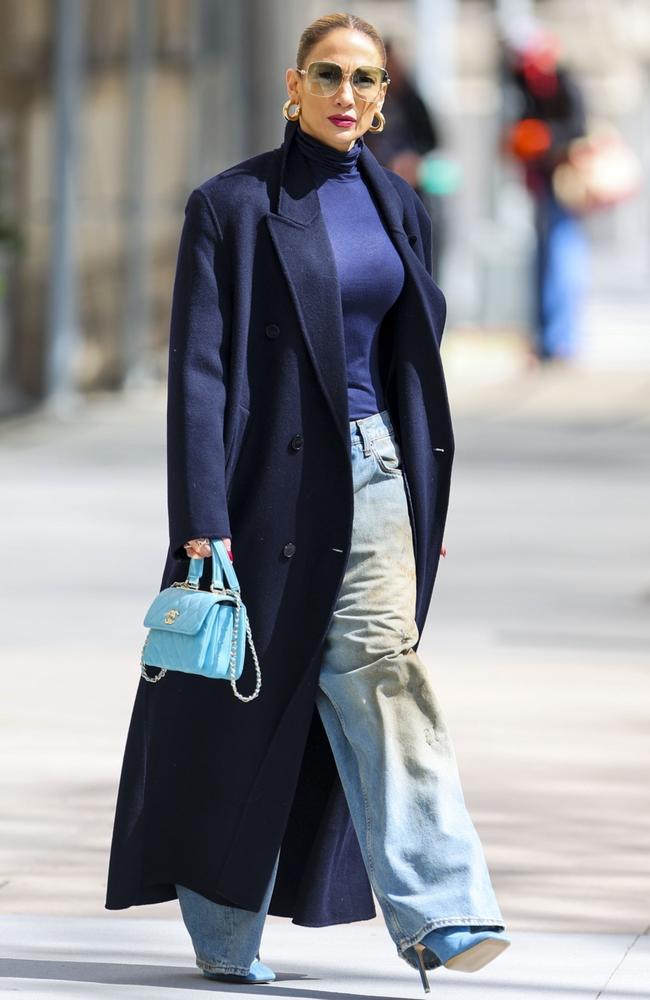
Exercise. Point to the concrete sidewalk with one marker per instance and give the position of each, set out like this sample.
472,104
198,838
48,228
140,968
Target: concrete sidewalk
491,375
95,957
538,637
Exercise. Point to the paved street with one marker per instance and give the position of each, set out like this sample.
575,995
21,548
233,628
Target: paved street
538,637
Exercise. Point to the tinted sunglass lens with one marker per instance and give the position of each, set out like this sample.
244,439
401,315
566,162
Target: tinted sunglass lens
366,80
324,78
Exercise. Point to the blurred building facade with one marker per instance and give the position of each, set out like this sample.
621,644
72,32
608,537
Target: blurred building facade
161,94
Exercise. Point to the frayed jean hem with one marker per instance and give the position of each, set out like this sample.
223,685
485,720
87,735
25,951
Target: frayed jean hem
228,970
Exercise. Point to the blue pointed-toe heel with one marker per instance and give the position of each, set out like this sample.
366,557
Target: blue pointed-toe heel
460,948
258,973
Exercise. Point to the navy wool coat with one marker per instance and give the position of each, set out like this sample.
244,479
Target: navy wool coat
258,450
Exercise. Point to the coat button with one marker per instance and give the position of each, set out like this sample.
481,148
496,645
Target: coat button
289,549
272,331
296,442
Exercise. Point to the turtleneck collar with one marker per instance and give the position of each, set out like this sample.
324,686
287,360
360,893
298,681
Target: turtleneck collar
326,161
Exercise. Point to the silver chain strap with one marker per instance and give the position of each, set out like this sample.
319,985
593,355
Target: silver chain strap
233,652
151,680
232,666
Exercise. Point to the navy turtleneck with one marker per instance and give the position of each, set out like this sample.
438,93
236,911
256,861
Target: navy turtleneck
370,270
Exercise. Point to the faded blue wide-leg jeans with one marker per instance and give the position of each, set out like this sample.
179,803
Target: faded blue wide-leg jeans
392,748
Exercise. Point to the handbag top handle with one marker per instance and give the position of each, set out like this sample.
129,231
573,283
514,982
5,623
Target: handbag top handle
221,566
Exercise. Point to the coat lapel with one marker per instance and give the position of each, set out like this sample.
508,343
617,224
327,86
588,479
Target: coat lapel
301,241
302,244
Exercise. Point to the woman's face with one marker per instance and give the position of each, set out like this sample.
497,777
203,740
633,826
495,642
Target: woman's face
350,49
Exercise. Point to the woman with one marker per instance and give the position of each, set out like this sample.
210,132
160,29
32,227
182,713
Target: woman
308,427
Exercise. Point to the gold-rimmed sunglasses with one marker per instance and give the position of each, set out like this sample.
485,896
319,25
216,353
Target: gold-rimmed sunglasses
323,79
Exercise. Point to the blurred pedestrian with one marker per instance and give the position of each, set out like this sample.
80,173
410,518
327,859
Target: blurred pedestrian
545,112
308,423
410,132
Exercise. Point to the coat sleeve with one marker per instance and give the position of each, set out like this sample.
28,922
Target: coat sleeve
196,382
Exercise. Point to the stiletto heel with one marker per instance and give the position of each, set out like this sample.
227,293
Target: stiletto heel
419,948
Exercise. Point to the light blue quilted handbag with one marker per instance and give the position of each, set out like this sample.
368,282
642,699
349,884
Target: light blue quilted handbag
201,631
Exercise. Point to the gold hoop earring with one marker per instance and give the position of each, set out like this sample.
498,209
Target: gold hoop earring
285,111
380,126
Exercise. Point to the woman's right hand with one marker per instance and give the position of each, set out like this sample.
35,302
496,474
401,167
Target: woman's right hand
199,548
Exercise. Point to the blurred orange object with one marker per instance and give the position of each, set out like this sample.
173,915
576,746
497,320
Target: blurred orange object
600,171
528,139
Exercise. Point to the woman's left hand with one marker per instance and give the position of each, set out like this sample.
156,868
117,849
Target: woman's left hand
443,550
